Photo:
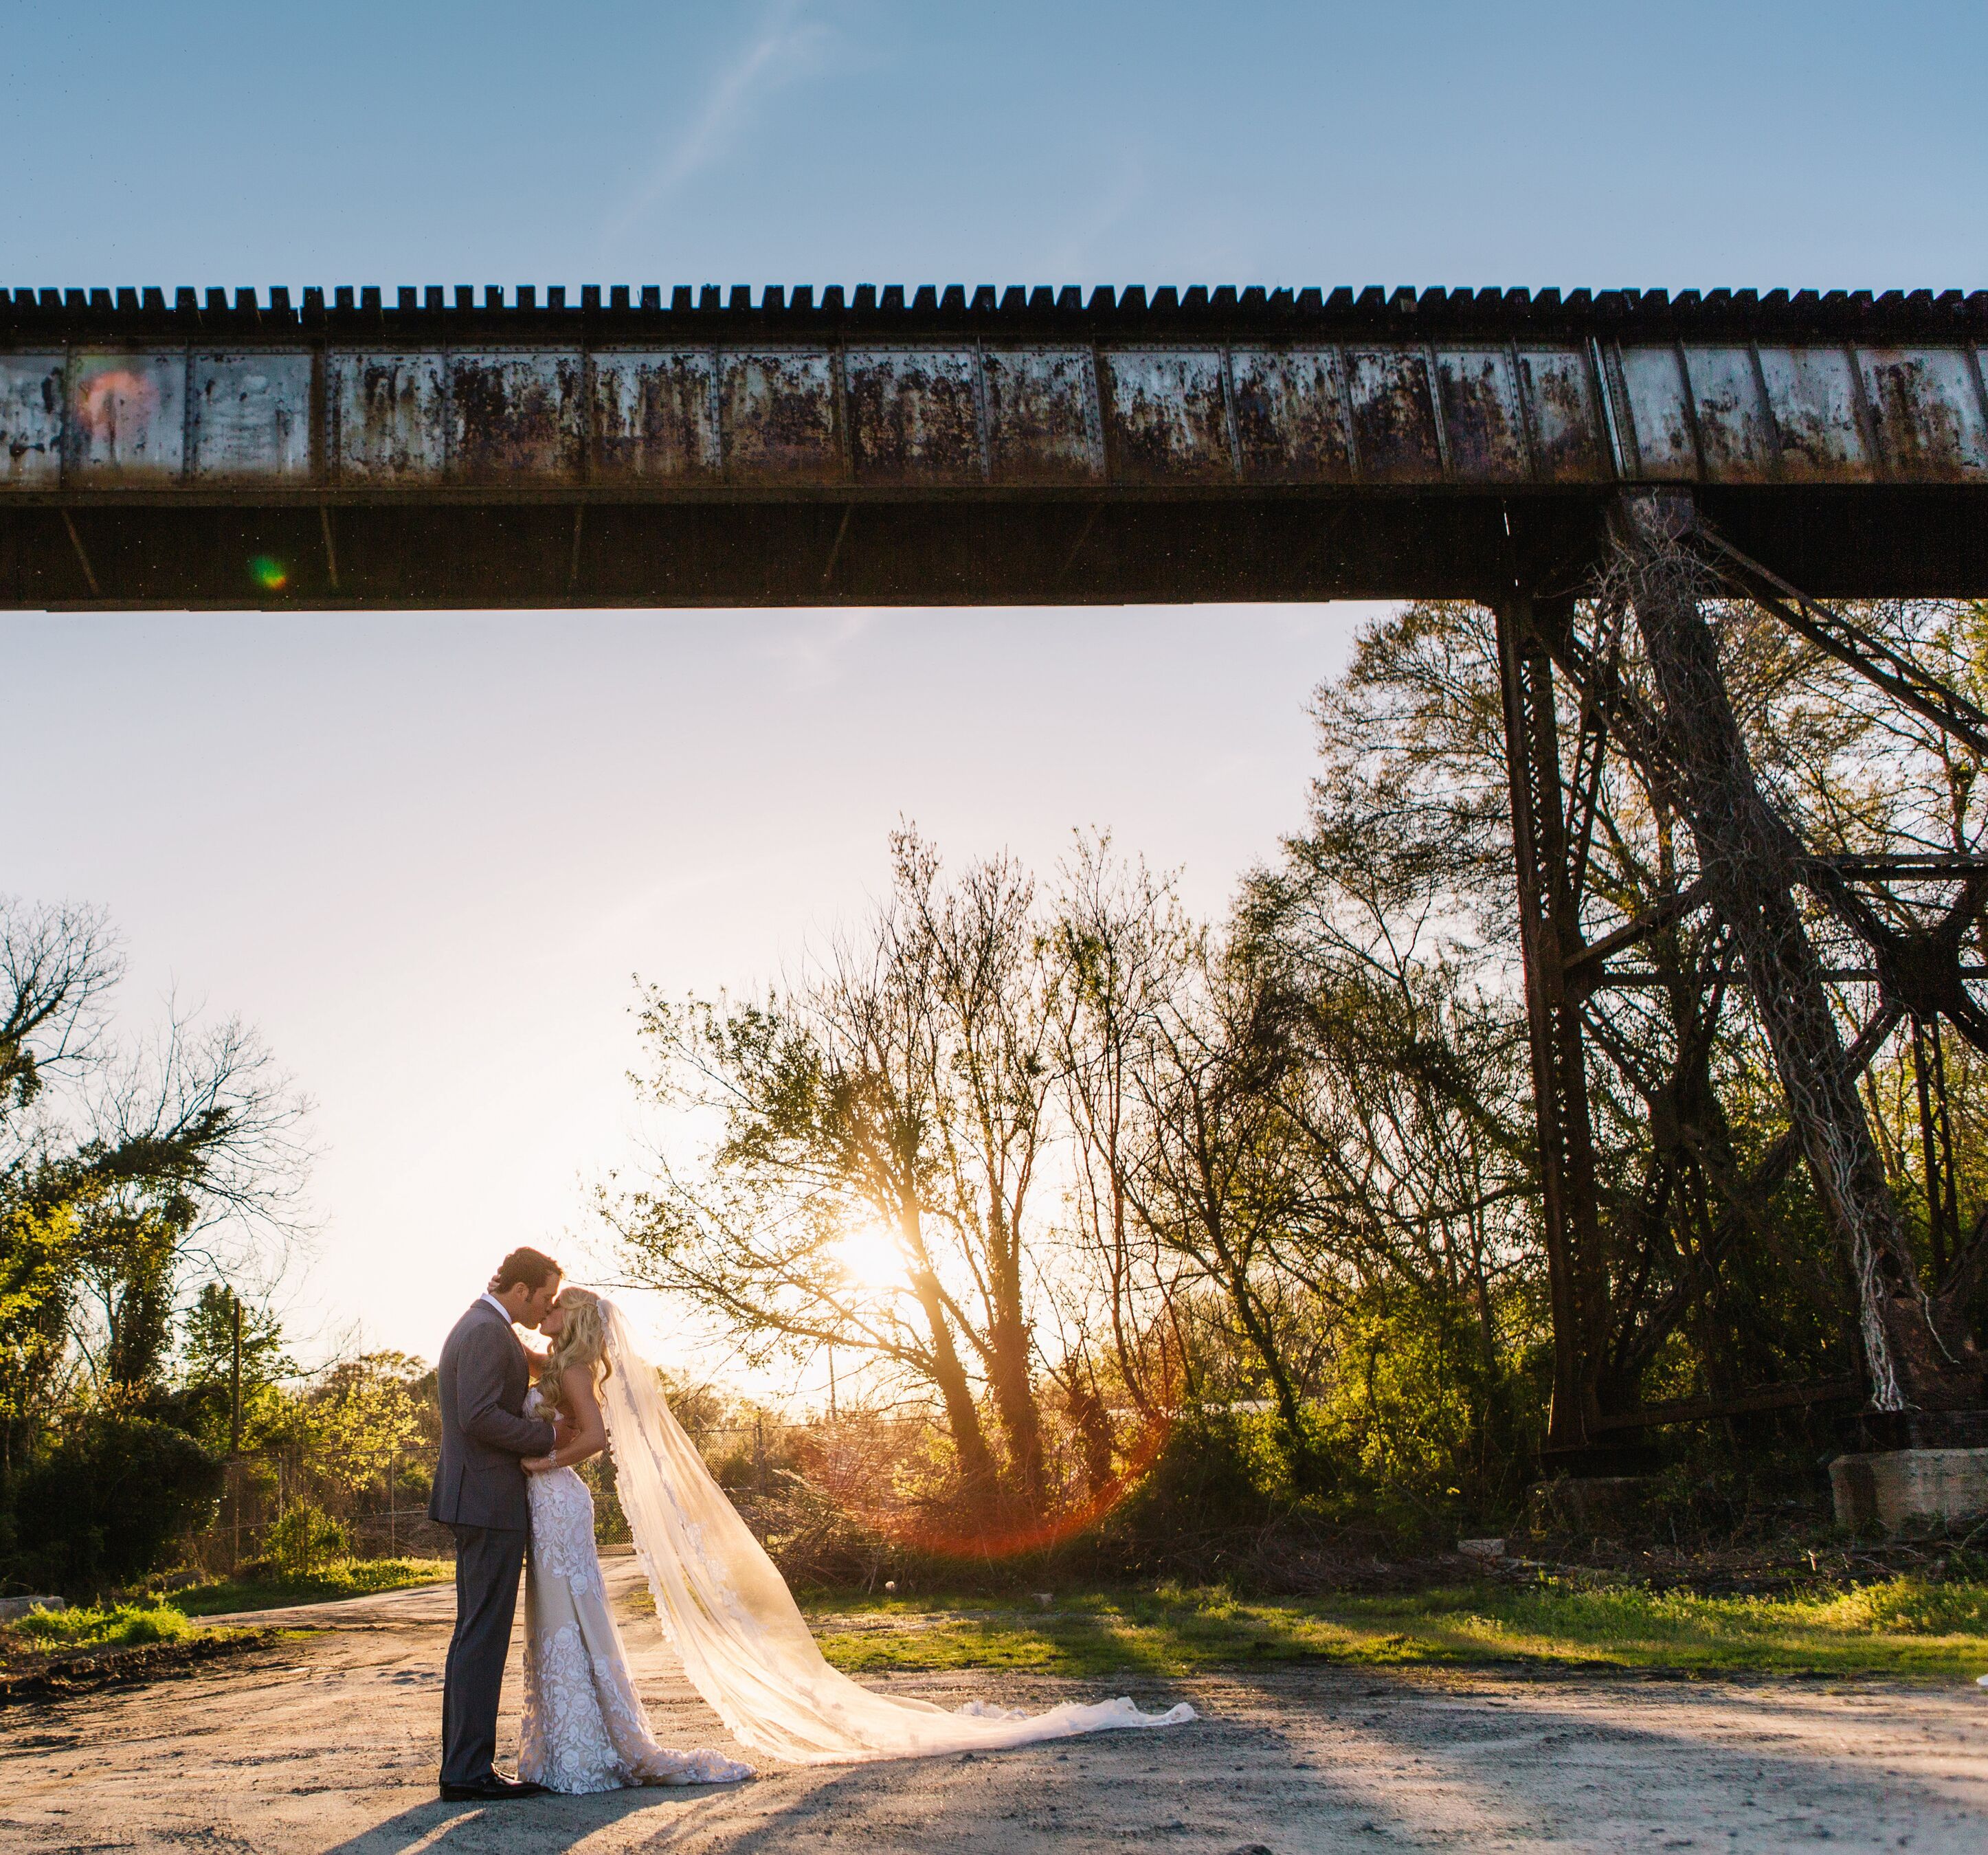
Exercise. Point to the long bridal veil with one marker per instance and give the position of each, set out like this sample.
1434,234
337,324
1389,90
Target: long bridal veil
732,1619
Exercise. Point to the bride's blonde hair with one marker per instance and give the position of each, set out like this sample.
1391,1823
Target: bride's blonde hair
582,1341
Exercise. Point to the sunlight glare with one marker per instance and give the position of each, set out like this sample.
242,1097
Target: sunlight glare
869,1255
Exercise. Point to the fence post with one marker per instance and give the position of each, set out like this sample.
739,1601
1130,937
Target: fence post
393,1504
759,1450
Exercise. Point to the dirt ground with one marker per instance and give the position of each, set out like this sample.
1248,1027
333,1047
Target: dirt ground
328,1744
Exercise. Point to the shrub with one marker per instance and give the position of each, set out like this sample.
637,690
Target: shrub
120,1626
1222,1474
106,1504
304,1540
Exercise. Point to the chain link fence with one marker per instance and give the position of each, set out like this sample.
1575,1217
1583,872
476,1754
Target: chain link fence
278,1505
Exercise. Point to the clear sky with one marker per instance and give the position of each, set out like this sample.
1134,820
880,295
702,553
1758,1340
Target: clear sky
424,853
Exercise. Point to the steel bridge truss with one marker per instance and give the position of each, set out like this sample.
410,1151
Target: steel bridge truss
1638,1254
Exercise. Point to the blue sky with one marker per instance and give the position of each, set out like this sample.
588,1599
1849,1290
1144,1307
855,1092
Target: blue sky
913,140
425,852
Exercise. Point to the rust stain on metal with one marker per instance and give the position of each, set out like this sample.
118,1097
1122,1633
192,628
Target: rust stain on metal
127,417
1812,396
1169,422
777,416
252,416
1734,434
388,414
654,415
1481,417
941,413
31,421
1659,414
1041,419
1567,441
1290,415
1930,420
516,414
1394,417
913,414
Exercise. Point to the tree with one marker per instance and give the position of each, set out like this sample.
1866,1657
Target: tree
364,1413
57,967
891,1103
121,1171
232,1353
1117,949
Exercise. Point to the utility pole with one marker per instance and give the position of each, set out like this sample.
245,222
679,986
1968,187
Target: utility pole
234,1418
235,1377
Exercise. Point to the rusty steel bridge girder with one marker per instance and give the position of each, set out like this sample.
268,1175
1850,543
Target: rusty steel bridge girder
1000,448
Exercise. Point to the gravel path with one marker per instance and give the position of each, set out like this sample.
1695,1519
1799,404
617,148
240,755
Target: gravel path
327,1745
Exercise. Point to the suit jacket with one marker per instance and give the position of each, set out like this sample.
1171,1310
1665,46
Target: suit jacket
483,1378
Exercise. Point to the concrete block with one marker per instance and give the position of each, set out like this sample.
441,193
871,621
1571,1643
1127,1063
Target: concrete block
1896,1488
13,1609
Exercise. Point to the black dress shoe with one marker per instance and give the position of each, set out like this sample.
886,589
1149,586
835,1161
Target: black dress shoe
492,1789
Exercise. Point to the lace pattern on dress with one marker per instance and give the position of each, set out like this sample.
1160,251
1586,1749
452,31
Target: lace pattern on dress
585,1729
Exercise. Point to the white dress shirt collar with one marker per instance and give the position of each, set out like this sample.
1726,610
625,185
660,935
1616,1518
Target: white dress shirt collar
500,1307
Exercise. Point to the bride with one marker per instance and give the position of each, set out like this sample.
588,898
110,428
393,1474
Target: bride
723,1604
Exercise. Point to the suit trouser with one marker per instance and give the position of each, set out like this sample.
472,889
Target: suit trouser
488,1562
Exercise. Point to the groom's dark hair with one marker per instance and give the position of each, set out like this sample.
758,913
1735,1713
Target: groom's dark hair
529,1267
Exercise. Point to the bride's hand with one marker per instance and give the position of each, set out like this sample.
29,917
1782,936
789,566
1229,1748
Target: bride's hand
536,1465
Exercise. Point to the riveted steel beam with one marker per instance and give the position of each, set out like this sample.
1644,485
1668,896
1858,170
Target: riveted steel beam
1213,444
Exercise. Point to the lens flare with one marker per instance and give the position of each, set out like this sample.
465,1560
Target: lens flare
115,400
994,1537
269,572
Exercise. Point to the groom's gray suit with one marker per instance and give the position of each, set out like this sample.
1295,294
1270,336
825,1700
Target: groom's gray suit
479,1495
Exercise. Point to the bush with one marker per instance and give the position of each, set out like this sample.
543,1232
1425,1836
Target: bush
106,1505
119,1626
1221,1475
304,1540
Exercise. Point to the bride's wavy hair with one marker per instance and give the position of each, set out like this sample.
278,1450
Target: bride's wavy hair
583,1341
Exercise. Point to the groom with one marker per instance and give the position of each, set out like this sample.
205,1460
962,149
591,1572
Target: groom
479,1496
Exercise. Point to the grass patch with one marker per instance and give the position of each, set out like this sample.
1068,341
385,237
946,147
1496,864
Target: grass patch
51,1655
124,1626
1901,1626
342,1578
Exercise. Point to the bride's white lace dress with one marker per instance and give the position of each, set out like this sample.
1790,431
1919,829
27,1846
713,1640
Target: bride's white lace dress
744,1644
585,1727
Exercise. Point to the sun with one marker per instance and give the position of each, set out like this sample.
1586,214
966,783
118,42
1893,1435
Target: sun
869,1255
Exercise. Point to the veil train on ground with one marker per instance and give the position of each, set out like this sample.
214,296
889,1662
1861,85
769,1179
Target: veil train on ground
744,1646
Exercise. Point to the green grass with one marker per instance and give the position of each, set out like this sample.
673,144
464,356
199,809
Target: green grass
341,1578
124,1626
1904,1626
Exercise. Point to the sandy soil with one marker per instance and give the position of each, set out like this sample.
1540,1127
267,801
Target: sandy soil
328,1744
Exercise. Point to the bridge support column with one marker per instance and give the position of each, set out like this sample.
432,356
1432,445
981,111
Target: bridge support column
1749,859
1550,936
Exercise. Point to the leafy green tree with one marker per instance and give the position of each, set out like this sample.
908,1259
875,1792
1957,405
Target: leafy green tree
207,1372
122,1170
363,1413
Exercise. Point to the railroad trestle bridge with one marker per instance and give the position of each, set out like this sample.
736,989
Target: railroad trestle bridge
467,448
